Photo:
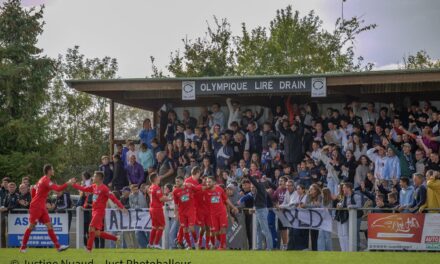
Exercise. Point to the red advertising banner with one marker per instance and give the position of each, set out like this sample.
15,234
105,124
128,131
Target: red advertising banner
404,231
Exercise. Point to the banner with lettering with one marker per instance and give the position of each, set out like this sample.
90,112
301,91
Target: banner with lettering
404,232
134,220
316,218
17,224
236,232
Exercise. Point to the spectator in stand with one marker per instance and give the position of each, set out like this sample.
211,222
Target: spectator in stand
333,164
247,203
11,200
368,134
391,170
129,238
278,199
406,159
420,161
384,121
124,151
120,179
234,111
432,191
62,205
314,200
361,171
355,144
165,169
300,237
378,157
137,201
261,212
225,154
146,159
189,121
26,180
293,153
419,193
253,138
289,202
333,135
24,197
370,114
148,133
217,117
406,195
3,194
249,117
135,172
155,147
108,172
325,237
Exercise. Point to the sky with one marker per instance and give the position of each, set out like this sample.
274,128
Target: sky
132,31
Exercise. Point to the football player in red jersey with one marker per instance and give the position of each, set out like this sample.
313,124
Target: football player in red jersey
101,194
156,211
218,200
37,208
184,206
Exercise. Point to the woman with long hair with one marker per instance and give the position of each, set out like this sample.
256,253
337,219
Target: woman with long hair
349,167
314,200
355,144
362,170
300,237
325,237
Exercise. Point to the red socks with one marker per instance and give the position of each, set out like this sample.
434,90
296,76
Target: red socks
53,237
187,239
180,235
108,236
158,236
152,236
213,240
223,240
26,236
91,240
194,235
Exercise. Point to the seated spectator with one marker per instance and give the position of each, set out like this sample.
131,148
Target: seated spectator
135,171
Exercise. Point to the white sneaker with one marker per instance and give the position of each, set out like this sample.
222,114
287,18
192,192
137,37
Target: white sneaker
157,247
87,250
24,250
62,248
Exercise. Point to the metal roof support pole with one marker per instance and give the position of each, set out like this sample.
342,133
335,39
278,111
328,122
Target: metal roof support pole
112,128
353,231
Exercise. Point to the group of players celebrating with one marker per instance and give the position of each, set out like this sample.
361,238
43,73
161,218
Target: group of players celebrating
197,202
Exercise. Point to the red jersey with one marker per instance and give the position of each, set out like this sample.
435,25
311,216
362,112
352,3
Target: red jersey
217,200
183,198
101,194
155,195
42,189
197,191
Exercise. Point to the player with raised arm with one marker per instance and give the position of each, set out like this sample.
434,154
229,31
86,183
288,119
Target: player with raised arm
101,194
218,201
156,211
37,208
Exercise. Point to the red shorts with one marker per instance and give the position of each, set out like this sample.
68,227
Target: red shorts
157,217
203,218
218,221
38,215
187,219
97,220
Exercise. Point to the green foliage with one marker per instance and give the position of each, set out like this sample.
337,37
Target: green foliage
24,76
291,45
421,60
79,121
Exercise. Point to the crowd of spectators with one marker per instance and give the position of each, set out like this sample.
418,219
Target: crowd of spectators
358,156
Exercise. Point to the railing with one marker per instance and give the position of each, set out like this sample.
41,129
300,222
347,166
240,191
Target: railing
79,225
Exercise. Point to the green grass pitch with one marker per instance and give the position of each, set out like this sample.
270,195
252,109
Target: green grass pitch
138,256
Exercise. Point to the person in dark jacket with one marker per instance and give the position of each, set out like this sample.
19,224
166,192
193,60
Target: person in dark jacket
419,193
120,179
261,212
63,203
24,197
108,173
293,147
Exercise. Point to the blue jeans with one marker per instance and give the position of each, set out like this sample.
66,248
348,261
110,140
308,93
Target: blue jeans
142,239
325,241
263,231
333,186
174,229
271,220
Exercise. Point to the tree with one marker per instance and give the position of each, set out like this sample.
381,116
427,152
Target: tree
291,45
79,121
421,60
24,76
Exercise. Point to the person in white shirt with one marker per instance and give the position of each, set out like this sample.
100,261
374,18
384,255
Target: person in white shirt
378,157
234,111
333,135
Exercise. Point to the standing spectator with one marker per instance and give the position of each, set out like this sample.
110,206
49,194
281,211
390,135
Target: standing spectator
314,200
325,237
217,117
147,133
391,171
173,221
300,236
406,160
131,151
224,154
11,201
137,201
106,169
124,152
146,159
24,197
361,171
120,179
165,169
85,201
370,114
289,202
3,194
278,199
135,172
261,213
433,190
293,152
247,202
62,205
378,157
253,139
129,239
189,121
419,193
234,111
406,195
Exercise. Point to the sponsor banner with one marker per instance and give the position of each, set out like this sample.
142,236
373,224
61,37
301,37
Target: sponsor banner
404,232
236,233
17,224
316,218
134,220
316,86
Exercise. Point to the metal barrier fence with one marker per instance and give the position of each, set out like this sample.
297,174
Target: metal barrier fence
353,225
